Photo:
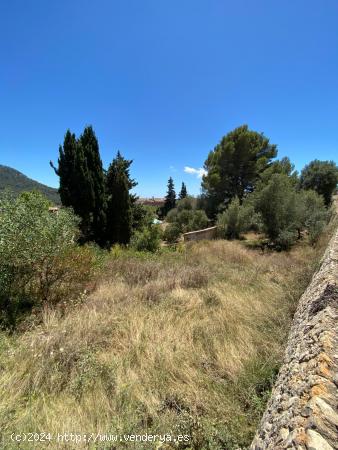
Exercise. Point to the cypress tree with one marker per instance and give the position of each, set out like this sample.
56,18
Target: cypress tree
170,198
184,192
66,169
94,201
136,209
119,201
82,182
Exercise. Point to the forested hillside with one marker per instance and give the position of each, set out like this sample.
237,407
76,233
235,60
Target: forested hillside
18,182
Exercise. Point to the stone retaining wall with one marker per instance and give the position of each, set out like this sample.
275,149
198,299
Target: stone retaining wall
302,412
207,233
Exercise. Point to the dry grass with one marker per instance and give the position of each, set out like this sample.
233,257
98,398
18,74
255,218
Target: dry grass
185,342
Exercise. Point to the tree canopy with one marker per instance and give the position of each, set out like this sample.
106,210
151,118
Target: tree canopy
322,177
234,166
282,166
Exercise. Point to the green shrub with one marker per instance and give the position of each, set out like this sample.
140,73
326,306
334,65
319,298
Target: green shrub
236,220
172,215
286,211
40,262
198,221
285,239
313,215
148,239
186,218
172,233
187,203
277,202
315,230
143,215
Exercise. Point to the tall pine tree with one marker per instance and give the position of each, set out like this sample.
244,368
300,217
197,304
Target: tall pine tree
184,192
119,201
170,198
234,167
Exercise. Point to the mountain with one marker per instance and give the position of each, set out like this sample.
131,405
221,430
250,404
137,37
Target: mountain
18,182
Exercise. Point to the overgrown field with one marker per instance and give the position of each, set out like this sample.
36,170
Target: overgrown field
180,342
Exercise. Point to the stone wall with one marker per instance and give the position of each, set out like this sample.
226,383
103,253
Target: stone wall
302,412
207,233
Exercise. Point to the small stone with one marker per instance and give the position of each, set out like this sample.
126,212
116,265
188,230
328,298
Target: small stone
306,411
292,401
291,439
335,379
268,426
284,433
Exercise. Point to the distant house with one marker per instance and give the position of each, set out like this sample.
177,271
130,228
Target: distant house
152,201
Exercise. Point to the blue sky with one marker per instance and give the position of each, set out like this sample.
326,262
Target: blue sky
163,81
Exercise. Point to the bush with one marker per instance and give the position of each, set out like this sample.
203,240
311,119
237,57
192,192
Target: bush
172,233
277,202
142,215
315,230
186,218
188,203
277,208
286,212
40,262
313,215
198,221
285,239
235,220
148,239
172,215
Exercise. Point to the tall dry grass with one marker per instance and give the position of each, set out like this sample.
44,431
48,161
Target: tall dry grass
185,342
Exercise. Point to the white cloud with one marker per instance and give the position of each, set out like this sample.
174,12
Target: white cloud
199,172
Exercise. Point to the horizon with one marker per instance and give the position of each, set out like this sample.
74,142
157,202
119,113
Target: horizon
163,83
134,190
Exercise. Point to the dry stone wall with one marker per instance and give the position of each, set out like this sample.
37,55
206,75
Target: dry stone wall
199,235
302,413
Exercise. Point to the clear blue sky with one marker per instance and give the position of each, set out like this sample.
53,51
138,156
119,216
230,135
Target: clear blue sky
164,80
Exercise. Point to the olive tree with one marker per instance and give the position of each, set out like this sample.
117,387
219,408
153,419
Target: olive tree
186,217
313,215
277,202
39,256
236,219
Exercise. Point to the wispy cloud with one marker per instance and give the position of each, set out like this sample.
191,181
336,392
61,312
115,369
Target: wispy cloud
198,172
